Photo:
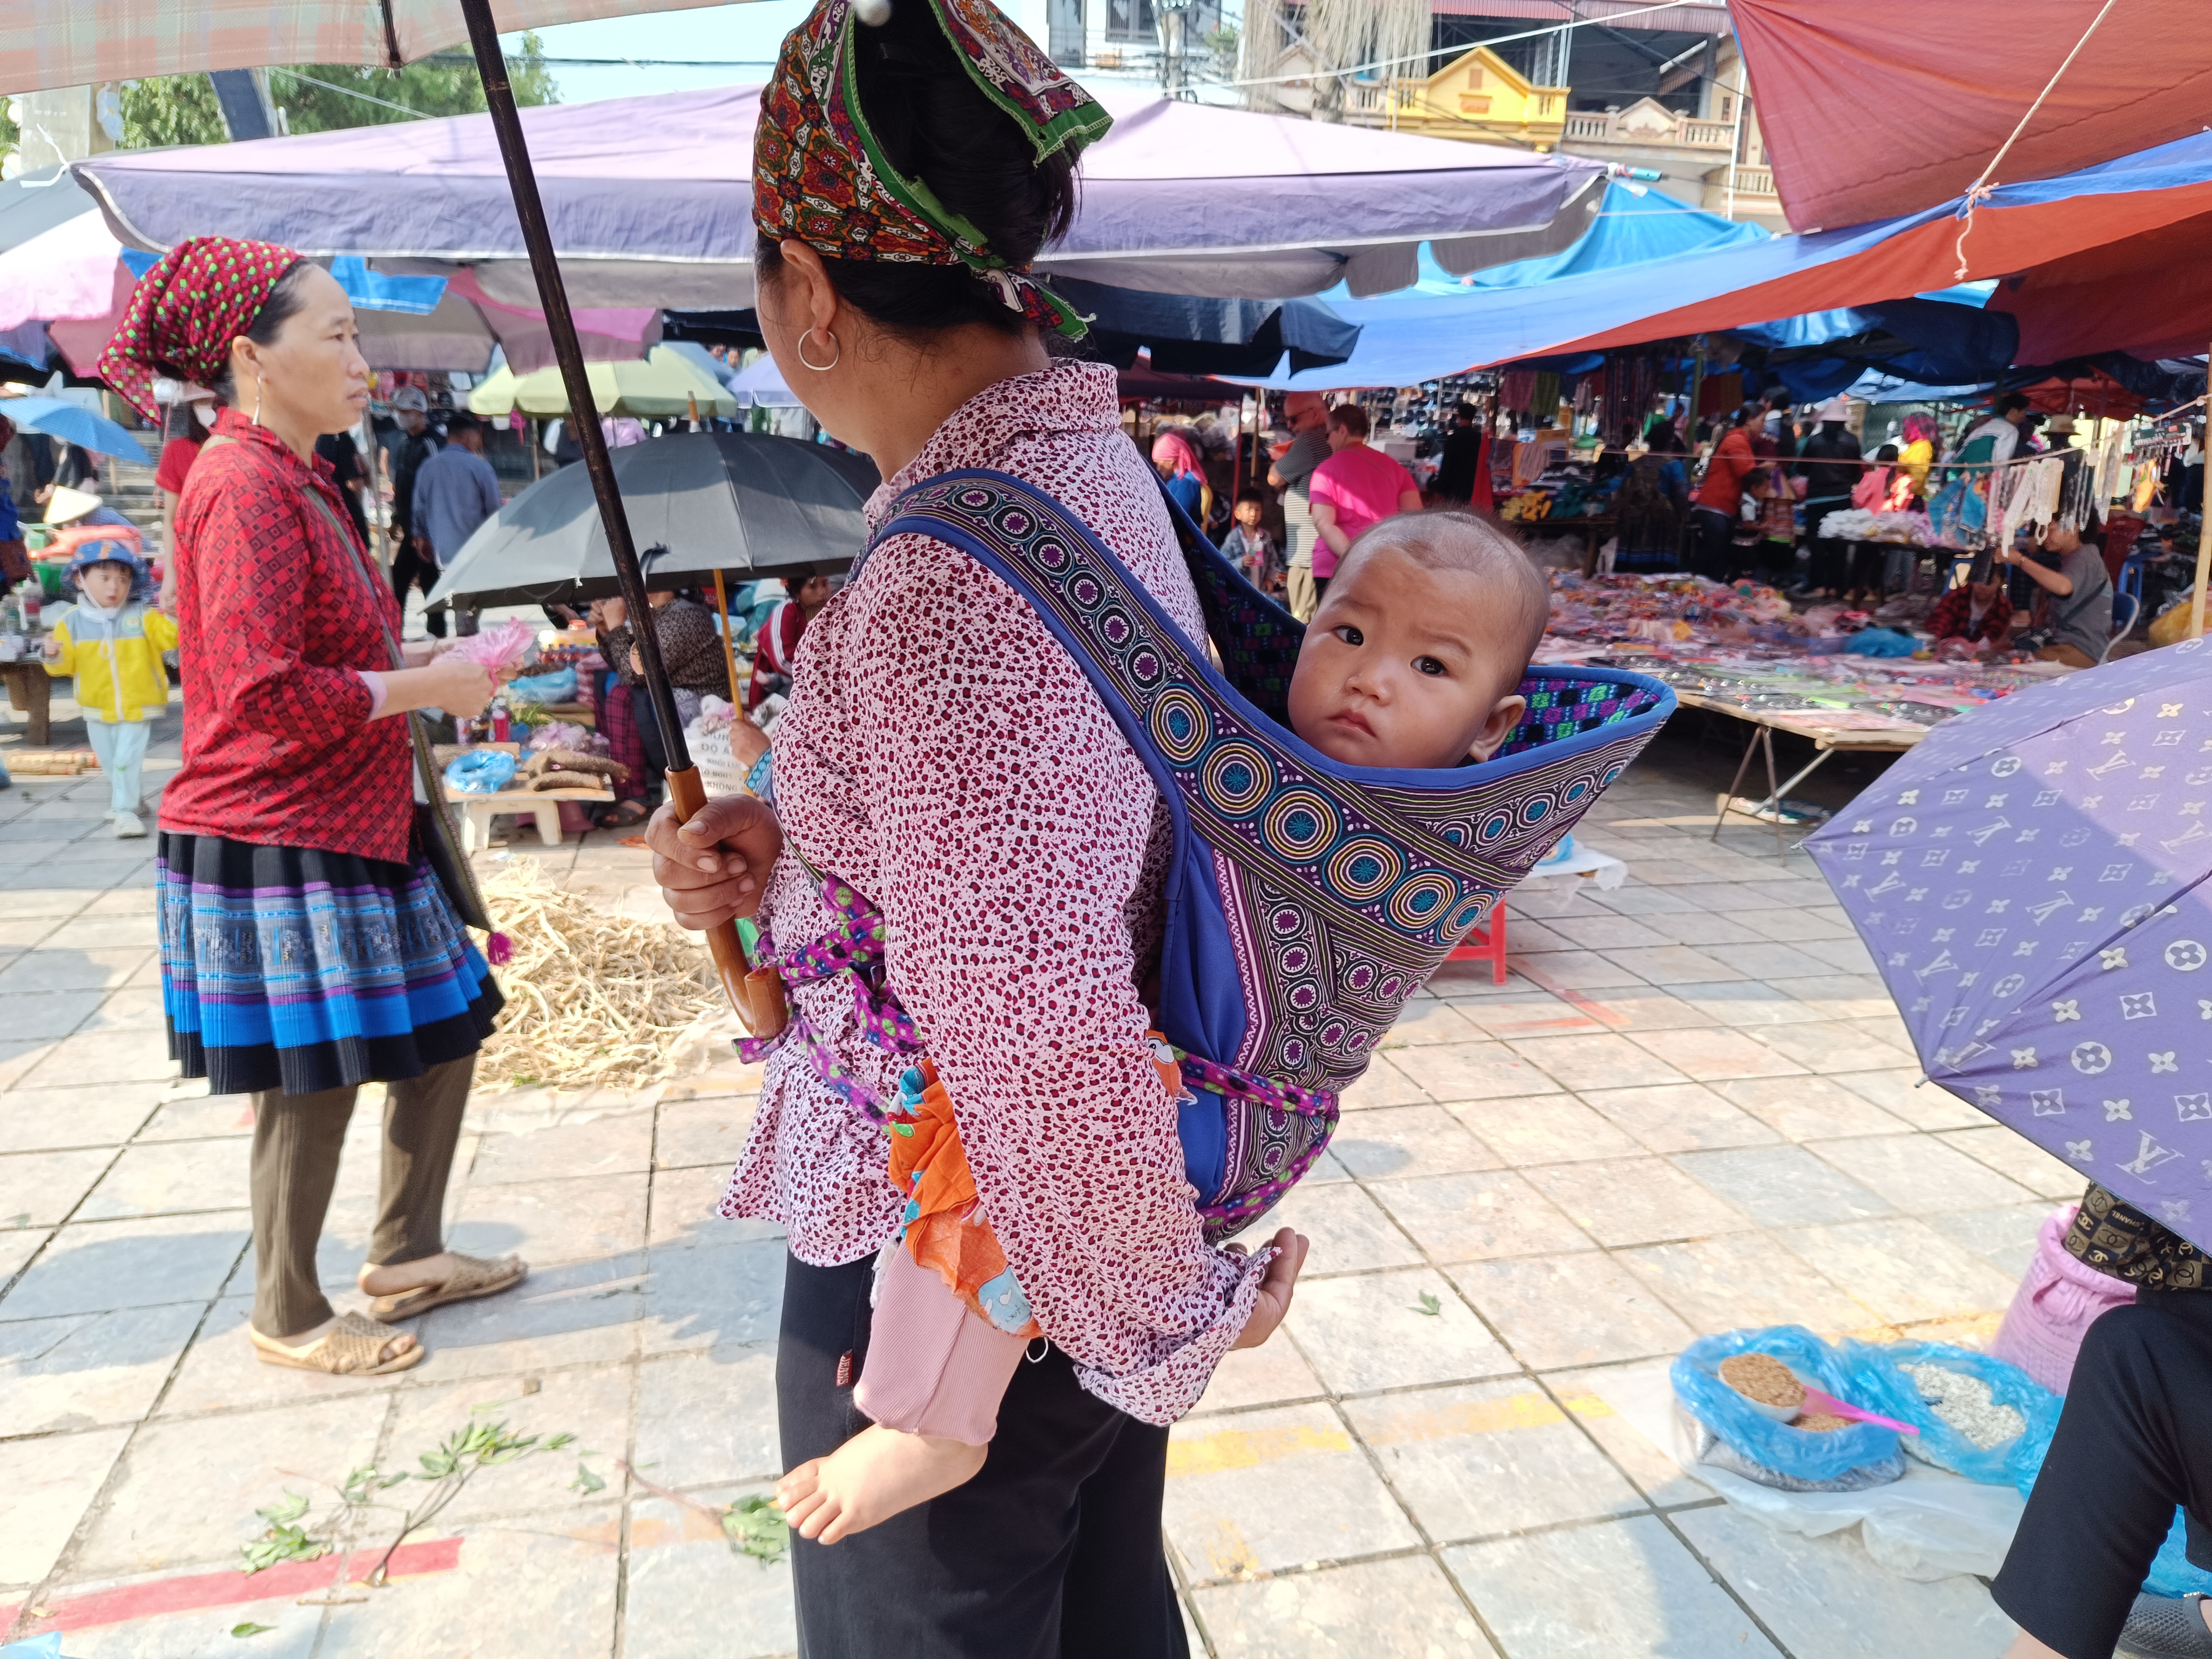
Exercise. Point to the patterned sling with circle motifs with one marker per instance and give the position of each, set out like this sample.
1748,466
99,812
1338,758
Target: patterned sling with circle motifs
1306,899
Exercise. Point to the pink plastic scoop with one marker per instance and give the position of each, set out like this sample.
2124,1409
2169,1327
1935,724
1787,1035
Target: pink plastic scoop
1817,1401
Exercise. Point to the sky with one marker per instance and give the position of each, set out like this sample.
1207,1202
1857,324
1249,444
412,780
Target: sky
752,31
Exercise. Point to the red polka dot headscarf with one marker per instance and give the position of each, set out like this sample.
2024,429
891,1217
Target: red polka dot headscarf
185,311
820,175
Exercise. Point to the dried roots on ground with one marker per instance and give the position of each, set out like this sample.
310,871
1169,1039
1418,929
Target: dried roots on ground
592,997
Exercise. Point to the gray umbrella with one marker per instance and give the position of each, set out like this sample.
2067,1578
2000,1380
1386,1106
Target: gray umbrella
698,502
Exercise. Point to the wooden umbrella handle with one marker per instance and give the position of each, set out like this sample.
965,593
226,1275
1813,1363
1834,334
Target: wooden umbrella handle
756,994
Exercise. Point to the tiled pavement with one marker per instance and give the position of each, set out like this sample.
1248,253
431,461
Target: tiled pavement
1689,1109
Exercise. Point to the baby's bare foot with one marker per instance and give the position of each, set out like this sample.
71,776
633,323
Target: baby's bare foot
870,1478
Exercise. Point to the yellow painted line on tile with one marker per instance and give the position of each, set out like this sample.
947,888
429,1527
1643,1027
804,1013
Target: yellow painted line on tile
1587,1405
1515,1411
1227,1553
1247,1448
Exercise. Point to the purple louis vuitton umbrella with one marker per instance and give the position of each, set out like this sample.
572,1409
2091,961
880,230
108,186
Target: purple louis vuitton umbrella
2031,880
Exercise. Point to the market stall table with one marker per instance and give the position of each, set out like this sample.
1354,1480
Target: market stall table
30,691
541,806
1830,731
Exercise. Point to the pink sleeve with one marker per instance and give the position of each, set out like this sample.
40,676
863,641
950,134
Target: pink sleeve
935,1367
1321,487
1013,822
377,692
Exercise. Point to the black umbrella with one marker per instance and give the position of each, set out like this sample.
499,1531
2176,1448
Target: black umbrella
698,501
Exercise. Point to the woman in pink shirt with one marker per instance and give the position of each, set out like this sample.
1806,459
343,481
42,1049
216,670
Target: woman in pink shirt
1358,485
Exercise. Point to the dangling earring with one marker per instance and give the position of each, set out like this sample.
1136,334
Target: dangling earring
836,349
256,402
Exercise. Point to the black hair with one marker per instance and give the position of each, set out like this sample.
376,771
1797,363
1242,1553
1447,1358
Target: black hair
1887,452
935,124
1251,492
276,311
1465,411
2011,401
1351,417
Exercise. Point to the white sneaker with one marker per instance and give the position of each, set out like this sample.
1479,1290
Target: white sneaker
129,826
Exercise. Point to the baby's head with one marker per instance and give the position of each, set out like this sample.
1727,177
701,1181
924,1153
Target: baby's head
1250,506
106,571
1414,657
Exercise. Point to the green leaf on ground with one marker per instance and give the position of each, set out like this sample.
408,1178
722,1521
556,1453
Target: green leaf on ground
756,1528
1430,1305
586,1482
244,1630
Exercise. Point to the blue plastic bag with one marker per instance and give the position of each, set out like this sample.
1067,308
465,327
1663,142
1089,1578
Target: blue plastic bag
1878,1384
1775,1445
1881,643
480,771
559,686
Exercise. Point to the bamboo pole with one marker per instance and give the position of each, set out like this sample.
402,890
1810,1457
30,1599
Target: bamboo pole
2204,560
729,645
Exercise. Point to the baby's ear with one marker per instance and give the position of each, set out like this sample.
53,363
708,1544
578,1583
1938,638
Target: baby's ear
1505,715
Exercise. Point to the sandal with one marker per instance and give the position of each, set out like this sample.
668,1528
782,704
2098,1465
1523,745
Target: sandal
622,815
472,1276
2160,1627
353,1346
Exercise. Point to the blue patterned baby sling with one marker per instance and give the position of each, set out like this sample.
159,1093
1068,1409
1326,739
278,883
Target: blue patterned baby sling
1306,899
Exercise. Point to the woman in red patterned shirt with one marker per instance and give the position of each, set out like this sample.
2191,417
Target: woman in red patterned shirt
306,948
944,753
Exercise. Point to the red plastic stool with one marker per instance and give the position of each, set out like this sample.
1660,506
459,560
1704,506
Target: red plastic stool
1486,944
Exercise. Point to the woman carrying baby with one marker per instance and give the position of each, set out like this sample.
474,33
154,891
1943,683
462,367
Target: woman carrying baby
943,754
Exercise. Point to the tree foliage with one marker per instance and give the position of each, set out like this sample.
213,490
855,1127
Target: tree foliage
181,109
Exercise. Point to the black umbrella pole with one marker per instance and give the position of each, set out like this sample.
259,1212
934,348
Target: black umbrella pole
684,788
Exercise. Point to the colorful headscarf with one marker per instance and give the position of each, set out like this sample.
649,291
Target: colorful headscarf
181,318
819,174
1172,451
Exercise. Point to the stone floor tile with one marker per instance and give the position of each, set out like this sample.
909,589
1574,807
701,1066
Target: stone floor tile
1409,1140
52,1481
1705,930
2004,1238
1747,1004
62,969
50,1014
171,1178
1580,1310
291,1632
1637,899
1901,1268
1830,1047
1535,938
1782,1186
91,1266
1635,1201
709,1417
683,1203
1604,1061
1798,1586
1598,932
1921,1174
1543,1130
1264,1491
81,1371
1486,1459
1841,996
1677,1117
1772,962
1275,1373
2018,1159
580,1313
1472,1071
1640,1008
1349,1231
38,1189
1383,1084
187,1489
1678,964
1845,956
689,1595
1473,1217
1712,1053
713,1295
1618,1589
1470,984
694,1132
104,932
1595,1399
21,933
1373,1331
617,1144
1743,1279
1808,1108
35,1119
1510,1017
515,1591
572,1219
136,901
1575,970
1403,1608
593,1404
1425,1020
17,1246
203,1117
1918,1105
94,1058
1798,926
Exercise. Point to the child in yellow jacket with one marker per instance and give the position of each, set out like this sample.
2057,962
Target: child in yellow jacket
112,639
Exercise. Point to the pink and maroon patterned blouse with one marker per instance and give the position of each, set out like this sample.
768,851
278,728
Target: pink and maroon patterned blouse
943,754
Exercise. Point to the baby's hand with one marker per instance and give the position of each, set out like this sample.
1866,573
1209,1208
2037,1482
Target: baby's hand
52,650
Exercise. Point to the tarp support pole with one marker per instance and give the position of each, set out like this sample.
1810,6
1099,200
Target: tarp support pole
684,790
729,645
2204,561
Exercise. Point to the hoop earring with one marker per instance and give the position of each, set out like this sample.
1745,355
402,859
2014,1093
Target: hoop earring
835,346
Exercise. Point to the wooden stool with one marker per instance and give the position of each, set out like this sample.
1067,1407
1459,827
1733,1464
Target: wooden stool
1486,944
31,690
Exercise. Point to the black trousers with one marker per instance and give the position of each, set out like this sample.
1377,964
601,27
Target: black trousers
2134,1442
410,570
1052,1551
1712,550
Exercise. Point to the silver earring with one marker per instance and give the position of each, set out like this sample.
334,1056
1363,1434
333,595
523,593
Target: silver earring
836,348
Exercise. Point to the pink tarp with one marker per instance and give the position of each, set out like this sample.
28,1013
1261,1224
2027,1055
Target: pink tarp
1872,108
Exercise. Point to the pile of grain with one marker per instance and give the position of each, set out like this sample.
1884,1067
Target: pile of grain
591,998
1764,1378
1967,1404
1821,1423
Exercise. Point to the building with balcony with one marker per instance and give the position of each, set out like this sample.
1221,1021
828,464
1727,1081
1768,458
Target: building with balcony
1478,97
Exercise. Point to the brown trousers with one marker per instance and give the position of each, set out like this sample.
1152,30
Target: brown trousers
296,1142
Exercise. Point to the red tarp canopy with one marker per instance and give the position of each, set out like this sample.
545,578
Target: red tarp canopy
1872,108
2094,393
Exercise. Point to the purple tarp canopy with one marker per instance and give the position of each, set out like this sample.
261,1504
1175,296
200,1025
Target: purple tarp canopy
651,199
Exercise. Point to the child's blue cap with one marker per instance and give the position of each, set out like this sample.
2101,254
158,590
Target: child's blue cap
108,551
